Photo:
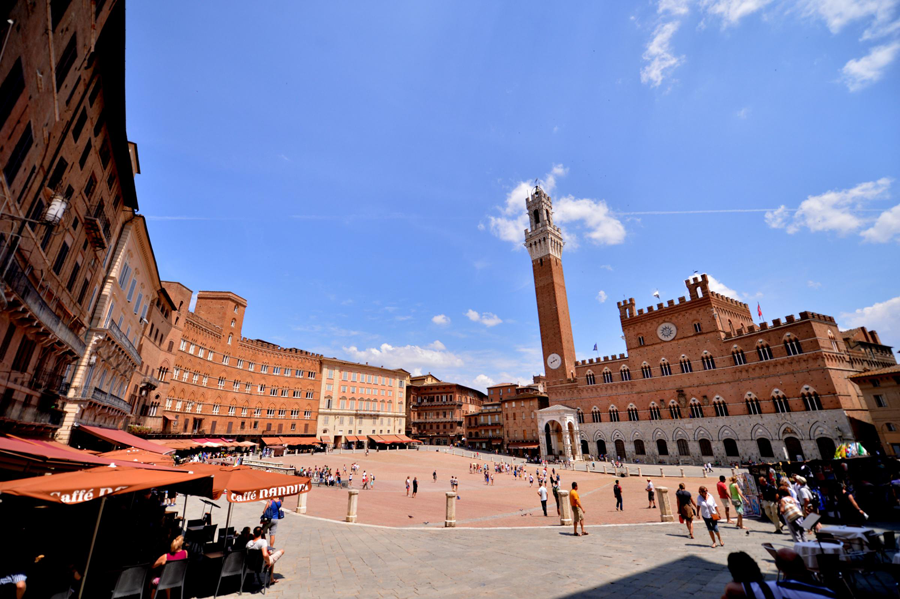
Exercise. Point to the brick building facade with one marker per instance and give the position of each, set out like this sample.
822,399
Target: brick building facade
228,385
700,381
881,390
68,187
484,429
438,411
521,433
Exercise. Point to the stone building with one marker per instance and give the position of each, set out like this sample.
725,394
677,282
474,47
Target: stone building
521,433
484,430
415,381
228,385
881,390
496,392
358,400
438,411
103,373
700,382
68,188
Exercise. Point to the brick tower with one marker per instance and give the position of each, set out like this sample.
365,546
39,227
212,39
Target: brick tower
545,244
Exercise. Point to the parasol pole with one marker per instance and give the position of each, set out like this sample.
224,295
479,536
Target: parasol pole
184,514
228,518
91,552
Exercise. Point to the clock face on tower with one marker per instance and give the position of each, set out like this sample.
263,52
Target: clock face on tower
554,361
666,331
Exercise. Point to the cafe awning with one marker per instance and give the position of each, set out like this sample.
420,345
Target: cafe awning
408,439
392,439
377,438
169,417
122,438
326,439
523,445
122,456
272,441
242,484
86,485
30,454
300,441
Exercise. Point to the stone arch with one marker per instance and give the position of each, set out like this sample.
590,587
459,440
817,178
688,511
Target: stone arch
659,434
726,432
760,432
702,433
776,391
599,436
789,425
617,435
818,430
679,433
582,435
636,435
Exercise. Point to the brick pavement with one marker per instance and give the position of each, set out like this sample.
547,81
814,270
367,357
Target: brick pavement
328,559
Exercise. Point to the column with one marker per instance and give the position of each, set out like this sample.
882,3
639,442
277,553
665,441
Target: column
352,500
450,516
665,508
682,472
301,504
565,510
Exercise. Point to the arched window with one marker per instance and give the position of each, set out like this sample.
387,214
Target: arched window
683,447
811,401
632,413
763,351
662,448
705,447
781,403
685,364
654,411
665,368
674,410
595,414
731,447
607,376
626,374
696,409
831,338
792,346
601,447
590,378
720,407
580,416
709,363
753,405
737,354
765,448
645,370
613,414
639,447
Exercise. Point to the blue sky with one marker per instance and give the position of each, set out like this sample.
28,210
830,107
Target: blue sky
357,170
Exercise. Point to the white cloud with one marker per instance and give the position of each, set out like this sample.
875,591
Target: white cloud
814,284
836,210
659,54
732,11
721,288
486,318
673,7
606,267
743,113
594,216
886,228
838,13
883,317
409,357
862,72
482,381
441,319
601,296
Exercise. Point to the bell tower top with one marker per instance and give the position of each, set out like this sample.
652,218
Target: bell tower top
543,238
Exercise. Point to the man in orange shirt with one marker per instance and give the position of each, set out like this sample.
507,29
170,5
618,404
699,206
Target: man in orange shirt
577,510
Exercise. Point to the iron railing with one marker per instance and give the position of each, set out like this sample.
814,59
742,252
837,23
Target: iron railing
108,399
117,334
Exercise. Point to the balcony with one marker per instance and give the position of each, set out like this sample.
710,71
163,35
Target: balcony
22,286
49,383
115,333
97,228
22,415
108,399
150,383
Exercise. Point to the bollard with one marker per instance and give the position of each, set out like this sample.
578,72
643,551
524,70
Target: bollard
604,467
682,472
352,500
565,510
301,505
665,508
639,472
661,473
450,517
733,472
704,473
627,473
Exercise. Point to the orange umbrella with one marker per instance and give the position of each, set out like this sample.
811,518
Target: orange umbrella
244,484
123,456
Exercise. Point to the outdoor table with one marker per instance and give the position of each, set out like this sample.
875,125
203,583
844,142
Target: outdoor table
855,537
808,550
897,558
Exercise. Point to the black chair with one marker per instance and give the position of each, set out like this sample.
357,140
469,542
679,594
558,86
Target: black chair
257,564
209,533
195,523
831,572
64,595
224,533
173,576
232,566
890,540
132,581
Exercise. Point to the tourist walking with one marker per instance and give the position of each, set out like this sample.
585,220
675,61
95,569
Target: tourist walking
434,476
577,510
415,486
737,500
555,488
709,511
617,491
651,494
270,517
792,513
768,497
722,488
407,486
542,493
687,508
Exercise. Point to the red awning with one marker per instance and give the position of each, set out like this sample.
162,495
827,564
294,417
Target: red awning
392,439
300,440
42,451
272,441
523,445
122,438
242,484
169,417
326,439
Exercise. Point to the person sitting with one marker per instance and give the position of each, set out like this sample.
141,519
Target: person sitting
240,541
176,552
797,583
270,557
